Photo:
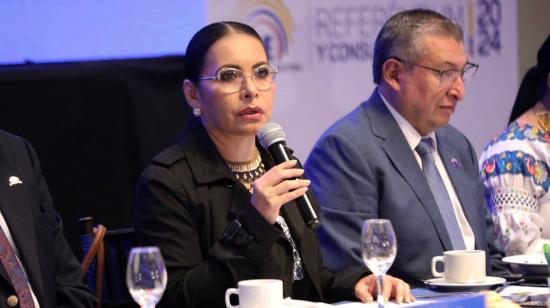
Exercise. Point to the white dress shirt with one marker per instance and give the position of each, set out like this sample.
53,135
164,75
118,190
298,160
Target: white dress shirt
413,138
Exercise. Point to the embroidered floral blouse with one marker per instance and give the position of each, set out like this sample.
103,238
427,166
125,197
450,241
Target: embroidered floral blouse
514,169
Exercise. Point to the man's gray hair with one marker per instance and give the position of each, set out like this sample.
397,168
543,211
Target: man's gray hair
402,36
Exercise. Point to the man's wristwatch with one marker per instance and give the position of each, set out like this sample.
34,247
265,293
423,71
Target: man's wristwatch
235,233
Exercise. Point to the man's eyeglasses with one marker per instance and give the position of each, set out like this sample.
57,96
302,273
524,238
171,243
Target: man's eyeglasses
231,79
449,76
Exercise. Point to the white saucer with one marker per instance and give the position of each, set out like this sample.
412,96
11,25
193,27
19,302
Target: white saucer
489,281
529,264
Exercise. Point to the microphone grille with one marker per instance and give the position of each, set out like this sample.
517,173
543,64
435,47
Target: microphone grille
271,133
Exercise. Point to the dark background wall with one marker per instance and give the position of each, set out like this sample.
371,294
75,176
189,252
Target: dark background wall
95,126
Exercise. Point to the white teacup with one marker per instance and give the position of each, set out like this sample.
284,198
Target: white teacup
257,293
461,266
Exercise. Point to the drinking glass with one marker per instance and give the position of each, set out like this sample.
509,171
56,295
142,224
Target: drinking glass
146,276
379,247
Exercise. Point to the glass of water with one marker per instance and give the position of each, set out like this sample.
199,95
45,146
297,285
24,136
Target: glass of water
379,248
146,276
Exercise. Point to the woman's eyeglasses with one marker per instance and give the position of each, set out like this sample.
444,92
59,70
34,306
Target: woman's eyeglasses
232,79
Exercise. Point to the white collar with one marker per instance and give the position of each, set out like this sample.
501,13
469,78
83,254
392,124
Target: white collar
411,134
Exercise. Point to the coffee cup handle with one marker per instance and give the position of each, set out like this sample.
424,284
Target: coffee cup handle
228,294
434,263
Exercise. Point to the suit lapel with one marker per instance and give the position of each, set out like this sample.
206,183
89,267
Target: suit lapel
397,148
15,207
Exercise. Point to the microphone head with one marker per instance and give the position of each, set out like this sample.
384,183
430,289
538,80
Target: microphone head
271,133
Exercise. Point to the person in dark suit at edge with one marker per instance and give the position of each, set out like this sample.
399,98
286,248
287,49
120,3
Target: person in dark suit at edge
396,156
218,206
37,268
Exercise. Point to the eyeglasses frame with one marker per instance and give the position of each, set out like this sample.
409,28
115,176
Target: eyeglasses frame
441,72
273,70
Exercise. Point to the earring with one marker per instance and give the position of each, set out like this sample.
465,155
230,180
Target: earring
197,112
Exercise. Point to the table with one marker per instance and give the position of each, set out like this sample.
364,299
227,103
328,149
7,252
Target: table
527,296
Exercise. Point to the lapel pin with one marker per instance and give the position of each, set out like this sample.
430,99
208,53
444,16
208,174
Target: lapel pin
13,180
455,163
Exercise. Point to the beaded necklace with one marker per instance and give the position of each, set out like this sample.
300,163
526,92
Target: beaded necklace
543,118
248,171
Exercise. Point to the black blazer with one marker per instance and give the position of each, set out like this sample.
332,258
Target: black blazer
52,270
185,200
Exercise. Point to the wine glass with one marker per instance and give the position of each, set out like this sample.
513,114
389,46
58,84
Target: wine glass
146,275
379,249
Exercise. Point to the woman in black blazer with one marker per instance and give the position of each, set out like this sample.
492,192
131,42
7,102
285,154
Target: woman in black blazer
217,205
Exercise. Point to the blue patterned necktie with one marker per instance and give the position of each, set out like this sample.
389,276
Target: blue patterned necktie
440,193
15,272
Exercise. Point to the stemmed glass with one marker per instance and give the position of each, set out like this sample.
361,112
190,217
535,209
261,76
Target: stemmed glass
146,275
379,248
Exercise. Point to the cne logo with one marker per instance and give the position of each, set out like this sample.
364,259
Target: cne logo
272,20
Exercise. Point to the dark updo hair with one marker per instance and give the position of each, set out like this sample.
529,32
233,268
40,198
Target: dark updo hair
534,84
206,37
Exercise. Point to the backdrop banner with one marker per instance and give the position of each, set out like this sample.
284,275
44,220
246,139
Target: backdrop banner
323,49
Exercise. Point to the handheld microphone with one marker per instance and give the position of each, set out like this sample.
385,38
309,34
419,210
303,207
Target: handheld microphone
272,138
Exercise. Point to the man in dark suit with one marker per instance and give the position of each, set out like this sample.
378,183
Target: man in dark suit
370,164
38,269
